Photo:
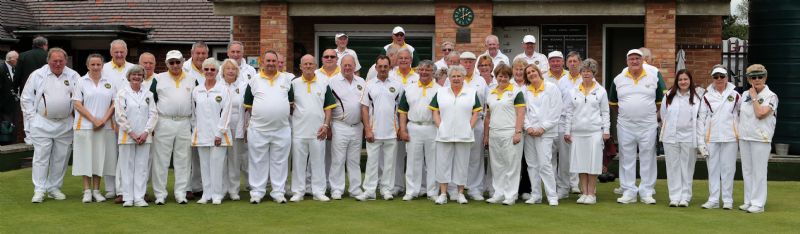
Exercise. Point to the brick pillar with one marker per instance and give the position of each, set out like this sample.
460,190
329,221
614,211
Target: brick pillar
276,31
246,29
446,28
659,35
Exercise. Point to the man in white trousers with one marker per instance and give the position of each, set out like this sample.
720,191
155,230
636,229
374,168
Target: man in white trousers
407,77
379,116
347,129
237,162
330,68
115,71
418,130
47,109
172,91
194,69
268,134
311,117
636,94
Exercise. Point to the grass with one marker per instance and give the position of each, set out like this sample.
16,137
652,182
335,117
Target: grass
18,215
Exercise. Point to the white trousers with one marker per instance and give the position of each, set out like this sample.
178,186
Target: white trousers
505,159
452,162
134,165
172,141
680,160
476,169
387,148
755,157
645,142
564,179
212,166
400,166
721,163
50,157
311,153
196,181
540,169
235,166
346,153
269,160
421,150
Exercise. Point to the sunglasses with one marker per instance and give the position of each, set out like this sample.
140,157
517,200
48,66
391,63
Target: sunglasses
173,62
718,77
209,69
756,77
329,57
400,35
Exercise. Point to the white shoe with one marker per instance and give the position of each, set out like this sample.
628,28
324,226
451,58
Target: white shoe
683,203
509,201
160,201
533,200
38,197
388,196
563,196
649,200
727,206
98,197
111,194
526,196
181,201
140,203
710,205
755,209
618,191
127,204
590,200
408,197
296,198
365,197
235,197
626,200
495,199
216,202
581,199
476,197
441,199
202,201
744,207
87,196
673,203
56,194
336,196
462,199
255,200
553,202
321,197
576,190
355,194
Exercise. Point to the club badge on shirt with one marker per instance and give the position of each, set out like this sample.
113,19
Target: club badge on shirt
108,86
391,89
730,98
248,77
536,62
237,90
359,87
218,98
760,101
66,82
147,100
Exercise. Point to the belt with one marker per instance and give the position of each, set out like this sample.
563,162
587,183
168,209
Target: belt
347,124
54,119
174,117
421,122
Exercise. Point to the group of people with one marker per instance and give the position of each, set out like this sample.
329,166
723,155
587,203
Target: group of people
427,126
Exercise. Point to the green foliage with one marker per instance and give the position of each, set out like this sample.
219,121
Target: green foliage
732,28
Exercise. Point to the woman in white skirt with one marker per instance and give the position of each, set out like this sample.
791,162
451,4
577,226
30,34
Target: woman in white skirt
720,112
236,156
505,114
94,149
211,134
682,135
757,122
588,126
542,115
137,116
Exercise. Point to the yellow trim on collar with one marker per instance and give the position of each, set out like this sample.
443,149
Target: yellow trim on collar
117,67
500,92
308,82
536,90
425,87
178,79
405,77
554,75
271,79
637,79
330,75
573,79
585,91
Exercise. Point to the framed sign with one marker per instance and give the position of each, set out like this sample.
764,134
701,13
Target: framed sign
564,38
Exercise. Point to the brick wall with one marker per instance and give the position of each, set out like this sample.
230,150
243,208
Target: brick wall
659,36
701,37
276,30
246,29
480,28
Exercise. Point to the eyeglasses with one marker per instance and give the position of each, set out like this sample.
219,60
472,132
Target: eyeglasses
719,77
329,56
174,62
447,50
756,77
209,69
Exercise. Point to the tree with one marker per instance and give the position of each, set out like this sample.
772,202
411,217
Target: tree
731,28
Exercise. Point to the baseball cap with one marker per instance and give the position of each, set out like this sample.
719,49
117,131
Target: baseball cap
528,39
555,54
398,29
635,51
338,35
719,70
174,54
467,55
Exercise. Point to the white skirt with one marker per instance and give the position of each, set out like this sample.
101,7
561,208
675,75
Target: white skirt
94,152
586,154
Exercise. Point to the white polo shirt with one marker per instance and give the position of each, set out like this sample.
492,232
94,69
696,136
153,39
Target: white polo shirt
49,95
540,60
95,98
754,129
212,111
381,97
415,102
455,110
679,122
587,111
116,74
496,60
503,103
555,78
146,83
721,112
441,64
135,112
173,95
346,51
236,90
196,72
322,74
269,100
543,108
637,98
246,71
311,99
406,80
348,97
480,86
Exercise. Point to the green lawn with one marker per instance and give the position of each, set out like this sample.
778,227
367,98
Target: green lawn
18,215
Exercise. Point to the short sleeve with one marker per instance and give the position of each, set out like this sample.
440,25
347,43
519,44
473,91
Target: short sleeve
612,94
366,99
477,107
434,103
248,97
330,101
519,100
291,93
403,106
660,89
154,90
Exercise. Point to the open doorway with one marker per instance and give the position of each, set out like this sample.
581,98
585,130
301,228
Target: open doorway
617,40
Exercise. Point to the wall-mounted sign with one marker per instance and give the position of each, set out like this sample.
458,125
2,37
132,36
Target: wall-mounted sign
564,38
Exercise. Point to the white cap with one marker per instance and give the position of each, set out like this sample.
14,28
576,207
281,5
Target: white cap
467,55
528,39
635,51
719,70
555,54
398,29
174,54
338,35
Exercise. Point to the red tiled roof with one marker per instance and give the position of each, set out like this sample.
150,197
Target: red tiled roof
174,20
14,13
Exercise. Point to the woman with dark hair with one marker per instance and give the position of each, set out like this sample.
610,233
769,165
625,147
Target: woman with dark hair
681,133
542,115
